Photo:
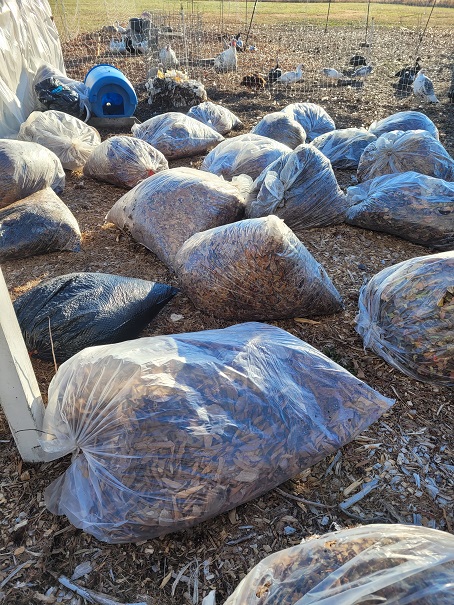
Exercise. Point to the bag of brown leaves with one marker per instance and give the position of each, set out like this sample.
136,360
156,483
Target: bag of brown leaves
399,564
173,430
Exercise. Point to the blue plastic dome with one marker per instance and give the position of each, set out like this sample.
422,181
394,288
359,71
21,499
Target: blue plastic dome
111,93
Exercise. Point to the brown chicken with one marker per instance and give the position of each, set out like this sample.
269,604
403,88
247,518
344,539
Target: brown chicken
255,81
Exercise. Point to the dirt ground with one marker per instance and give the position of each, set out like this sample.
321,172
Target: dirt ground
409,450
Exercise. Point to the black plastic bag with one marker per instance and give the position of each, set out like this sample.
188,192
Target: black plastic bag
53,94
38,224
86,309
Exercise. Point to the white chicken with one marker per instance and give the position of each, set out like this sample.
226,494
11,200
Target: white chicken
362,72
168,57
330,72
423,87
288,77
227,60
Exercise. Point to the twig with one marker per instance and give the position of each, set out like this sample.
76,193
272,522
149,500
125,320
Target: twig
242,539
13,573
52,346
360,495
303,500
91,596
364,519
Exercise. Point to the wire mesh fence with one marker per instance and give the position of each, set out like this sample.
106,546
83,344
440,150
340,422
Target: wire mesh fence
132,40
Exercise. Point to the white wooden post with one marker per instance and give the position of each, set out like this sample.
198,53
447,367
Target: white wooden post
20,396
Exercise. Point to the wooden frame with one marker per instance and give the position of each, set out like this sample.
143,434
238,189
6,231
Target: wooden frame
20,396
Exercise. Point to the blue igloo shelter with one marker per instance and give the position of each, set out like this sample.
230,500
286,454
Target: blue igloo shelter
111,93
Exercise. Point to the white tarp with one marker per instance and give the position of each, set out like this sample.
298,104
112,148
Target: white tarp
28,38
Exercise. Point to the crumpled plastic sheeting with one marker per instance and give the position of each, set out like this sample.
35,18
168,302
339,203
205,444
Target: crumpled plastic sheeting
394,563
300,188
313,118
124,161
28,38
403,151
216,116
404,120
406,316
177,135
413,206
345,146
282,128
25,168
173,430
68,137
245,154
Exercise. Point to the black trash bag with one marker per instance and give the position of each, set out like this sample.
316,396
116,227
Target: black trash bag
38,224
86,309
56,91
55,95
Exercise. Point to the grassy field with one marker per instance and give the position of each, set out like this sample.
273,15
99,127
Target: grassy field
91,15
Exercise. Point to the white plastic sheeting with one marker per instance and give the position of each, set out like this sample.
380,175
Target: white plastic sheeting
28,38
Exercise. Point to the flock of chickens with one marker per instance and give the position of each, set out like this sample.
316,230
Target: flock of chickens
411,78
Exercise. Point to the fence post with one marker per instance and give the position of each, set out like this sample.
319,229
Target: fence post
20,396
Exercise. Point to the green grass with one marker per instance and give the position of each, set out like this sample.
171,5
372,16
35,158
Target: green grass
90,15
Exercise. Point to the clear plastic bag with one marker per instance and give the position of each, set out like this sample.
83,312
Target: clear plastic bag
56,91
300,188
344,147
404,151
177,135
164,210
173,430
254,269
37,224
69,138
85,309
406,316
413,206
26,168
124,161
313,118
245,154
392,564
218,117
282,128
404,120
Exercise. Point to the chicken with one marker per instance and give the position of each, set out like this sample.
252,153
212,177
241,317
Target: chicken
423,87
227,60
357,60
168,57
289,77
275,73
239,43
254,81
330,72
410,69
362,72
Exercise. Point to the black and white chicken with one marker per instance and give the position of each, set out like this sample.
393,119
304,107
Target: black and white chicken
275,73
